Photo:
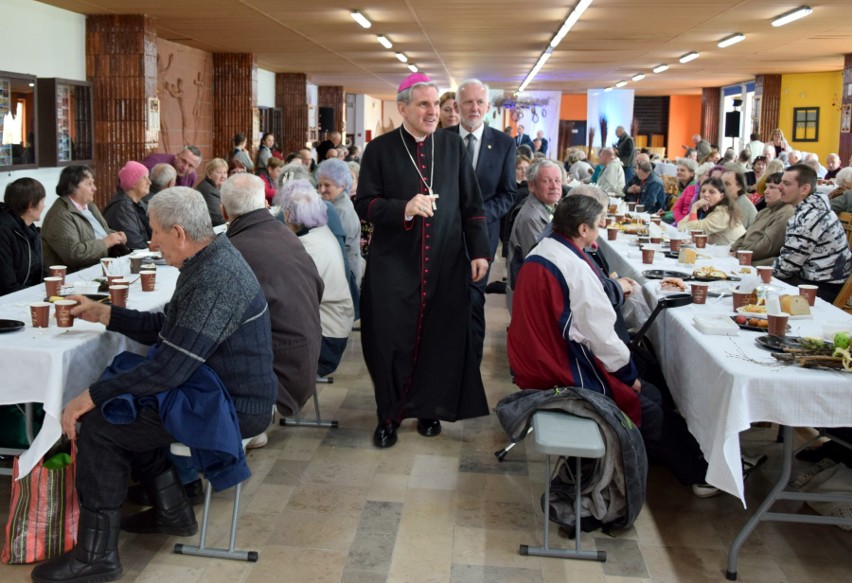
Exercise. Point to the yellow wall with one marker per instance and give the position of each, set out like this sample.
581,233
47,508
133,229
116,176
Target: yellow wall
821,90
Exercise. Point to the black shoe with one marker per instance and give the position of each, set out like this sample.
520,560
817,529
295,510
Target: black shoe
385,435
171,513
194,492
93,558
428,427
496,287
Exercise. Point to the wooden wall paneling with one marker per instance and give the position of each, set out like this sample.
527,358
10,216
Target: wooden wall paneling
710,102
234,96
291,95
767,90
333,96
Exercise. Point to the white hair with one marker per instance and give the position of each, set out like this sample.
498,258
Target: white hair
242,193
184,206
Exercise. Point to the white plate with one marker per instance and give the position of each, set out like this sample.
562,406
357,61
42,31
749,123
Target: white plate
743,312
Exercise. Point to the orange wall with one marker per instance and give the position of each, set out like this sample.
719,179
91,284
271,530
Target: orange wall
684,122
573,106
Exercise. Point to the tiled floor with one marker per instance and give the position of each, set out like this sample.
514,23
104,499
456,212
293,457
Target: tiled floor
323,505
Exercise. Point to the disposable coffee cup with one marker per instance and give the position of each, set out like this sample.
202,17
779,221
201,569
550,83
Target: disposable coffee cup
52,285
778,324
765,273
64,318
741,299
699,292
810,292
744,257
657,221
640,208
148,267
111,279
612,233
674,244
136,264
656,240
693,234
701,241
647,255
619,218
123,281
58,271
118,295
40,312
613,208
148,279
631,206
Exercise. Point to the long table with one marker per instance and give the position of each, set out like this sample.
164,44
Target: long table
53,365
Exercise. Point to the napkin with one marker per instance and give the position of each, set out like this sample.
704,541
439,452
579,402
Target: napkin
749,283
773,305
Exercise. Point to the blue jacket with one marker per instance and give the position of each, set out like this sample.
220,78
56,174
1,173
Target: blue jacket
199,414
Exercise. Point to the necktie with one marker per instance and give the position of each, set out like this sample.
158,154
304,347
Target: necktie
471,143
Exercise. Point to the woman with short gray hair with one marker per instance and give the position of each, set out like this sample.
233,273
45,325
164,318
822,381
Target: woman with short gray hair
334,180
216,173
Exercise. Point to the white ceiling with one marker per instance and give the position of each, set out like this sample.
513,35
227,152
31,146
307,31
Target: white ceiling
499,41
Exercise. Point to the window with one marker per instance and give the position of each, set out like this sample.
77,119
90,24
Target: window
66,134
805,124
18,121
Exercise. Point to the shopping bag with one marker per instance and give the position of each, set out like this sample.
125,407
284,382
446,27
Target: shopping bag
43,512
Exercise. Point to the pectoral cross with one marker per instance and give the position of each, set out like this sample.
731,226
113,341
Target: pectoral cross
433,196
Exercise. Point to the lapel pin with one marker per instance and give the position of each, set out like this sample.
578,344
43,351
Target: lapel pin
489,146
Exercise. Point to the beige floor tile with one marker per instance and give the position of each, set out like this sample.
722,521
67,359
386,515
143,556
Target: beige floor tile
225,571
269,498
299,445
317,531
297,565
388,487
433,472
158,572
325,499
420,557
493,547
679,564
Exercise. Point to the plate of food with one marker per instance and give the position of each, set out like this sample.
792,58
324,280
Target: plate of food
664,273
808,352
779,343
753,324
10,326
671,285
710,273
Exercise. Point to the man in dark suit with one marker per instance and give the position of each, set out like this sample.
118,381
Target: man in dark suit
523,138
492,154
544,143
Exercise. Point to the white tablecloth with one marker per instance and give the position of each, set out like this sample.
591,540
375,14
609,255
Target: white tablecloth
724,383
53,365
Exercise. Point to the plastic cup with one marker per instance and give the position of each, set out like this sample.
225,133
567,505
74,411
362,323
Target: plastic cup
741,299
778,324
674,244
744,257
701,241
136,264
640,208
810,292
647,255
699,292
612,233
118,295
40,312
52,285
58,271
148,279
64,318
765,273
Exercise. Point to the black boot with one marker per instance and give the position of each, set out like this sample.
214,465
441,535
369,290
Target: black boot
94,558
172,513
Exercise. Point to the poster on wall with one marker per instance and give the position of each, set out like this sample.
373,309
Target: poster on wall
152,128
846,119
255,127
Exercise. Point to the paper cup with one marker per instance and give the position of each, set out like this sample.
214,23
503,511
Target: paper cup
52,285
693,234
699,292
744,257
741,299
64,318
124,282
58,271
118,295
631,206
40,312
647,255
674,244
111,279
701,241
657,221
765,273
656,240
640,208
810,292
148,279
778,324
136,264
613,208
148,267
612,233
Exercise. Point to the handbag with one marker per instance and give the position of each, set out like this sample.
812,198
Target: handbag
43,511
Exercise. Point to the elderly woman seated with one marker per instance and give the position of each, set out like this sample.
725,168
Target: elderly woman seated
305,213
334,180
20,240
216,173
840,198
74,233
765,236
716,213
127,210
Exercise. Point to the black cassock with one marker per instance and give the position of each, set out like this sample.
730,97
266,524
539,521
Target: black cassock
415,309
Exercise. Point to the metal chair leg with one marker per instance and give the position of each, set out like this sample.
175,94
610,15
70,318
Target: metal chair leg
298,421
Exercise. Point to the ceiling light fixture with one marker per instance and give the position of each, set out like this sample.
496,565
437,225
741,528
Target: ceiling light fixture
413,68
789,17
402,58
541,61
608,89
660,68
570,22
621,84
361,19
690,56
638,76
731,40
383,40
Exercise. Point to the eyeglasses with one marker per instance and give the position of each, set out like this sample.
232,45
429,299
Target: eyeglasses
549,181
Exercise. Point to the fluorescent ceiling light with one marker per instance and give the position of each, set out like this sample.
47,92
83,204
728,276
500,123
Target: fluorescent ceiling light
789,17
638,77
607,89
731,40
691,56
570,22
383,40
660,68
541,61
361,19
412,68
621,84
402,58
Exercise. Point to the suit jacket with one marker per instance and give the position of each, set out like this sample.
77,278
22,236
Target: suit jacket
524,139
495,173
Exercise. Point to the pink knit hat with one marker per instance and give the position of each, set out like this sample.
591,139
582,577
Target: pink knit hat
413,79
130,174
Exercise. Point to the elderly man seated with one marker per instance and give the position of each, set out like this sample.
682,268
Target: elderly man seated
611,179
217,326
646,187
162,176
184,162
562,334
